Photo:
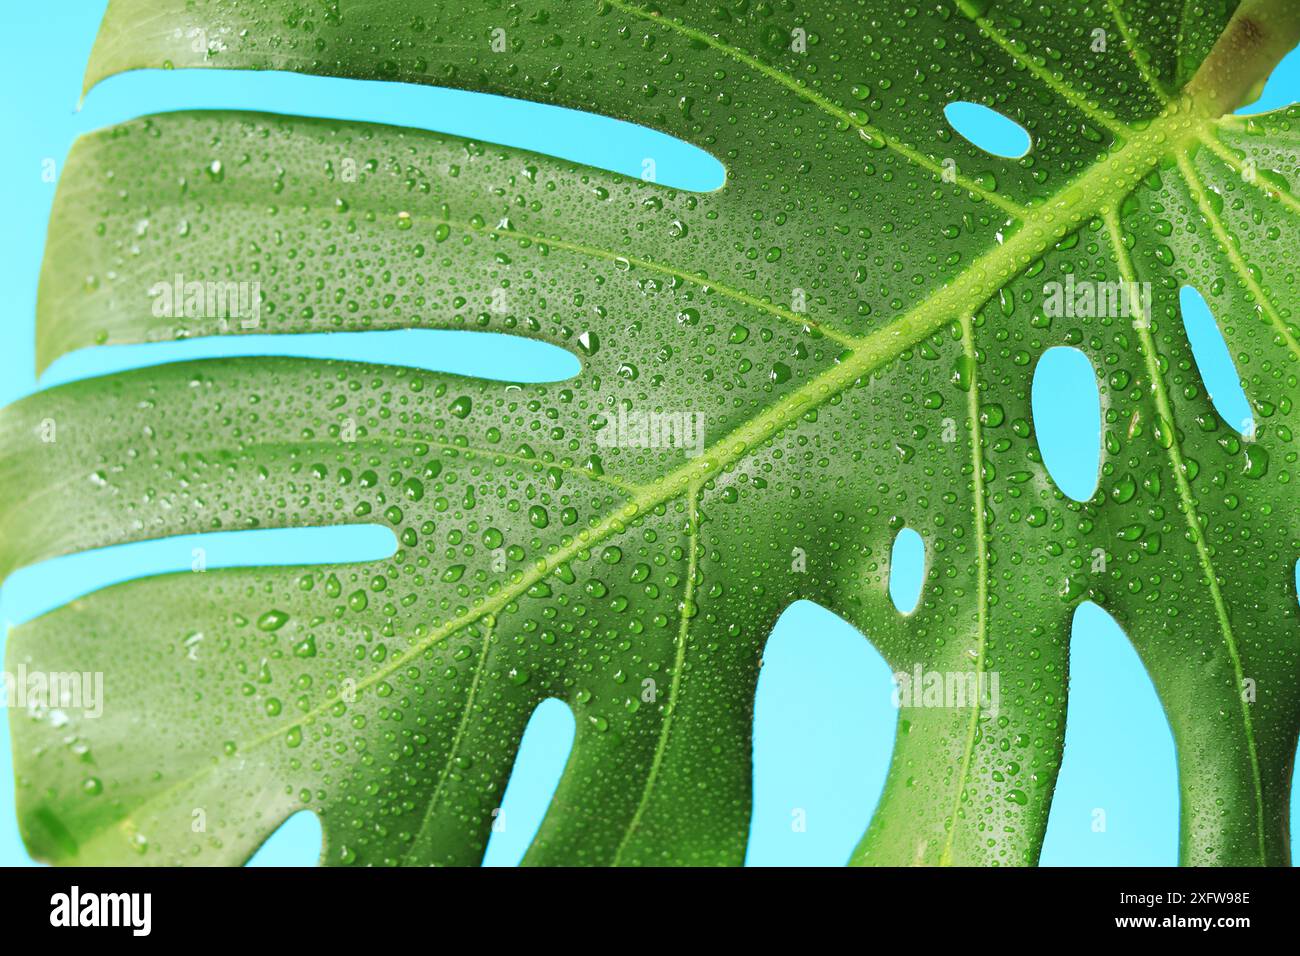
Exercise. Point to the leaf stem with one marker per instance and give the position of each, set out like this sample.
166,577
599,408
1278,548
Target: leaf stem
1259,34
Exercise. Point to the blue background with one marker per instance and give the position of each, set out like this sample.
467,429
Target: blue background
825,724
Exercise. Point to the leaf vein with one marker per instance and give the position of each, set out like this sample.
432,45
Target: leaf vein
470,698
982,583
865,129
1190,515
679,661
1238,264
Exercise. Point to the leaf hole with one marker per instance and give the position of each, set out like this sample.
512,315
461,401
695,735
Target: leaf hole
906,570
567,134
296,842
39,588
824,726
1066,407
543,753
988,129
1214,361
490,355
1116,798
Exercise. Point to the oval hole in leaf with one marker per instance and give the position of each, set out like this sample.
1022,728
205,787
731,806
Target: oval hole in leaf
1066,407
1214,361
988,129
492,355
824,727
34,590
543,754
588,138
1120,771
906,570
296,842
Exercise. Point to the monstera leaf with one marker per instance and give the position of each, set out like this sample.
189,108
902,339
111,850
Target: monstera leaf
853,321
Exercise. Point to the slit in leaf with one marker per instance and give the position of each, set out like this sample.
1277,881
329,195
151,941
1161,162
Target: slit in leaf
1116,798
490,355
589,138
1214,362
543,753
39,588
824,726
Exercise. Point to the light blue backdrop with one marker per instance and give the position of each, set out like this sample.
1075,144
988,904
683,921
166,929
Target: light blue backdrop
824,726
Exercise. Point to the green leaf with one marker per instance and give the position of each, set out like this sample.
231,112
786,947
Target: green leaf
855,315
